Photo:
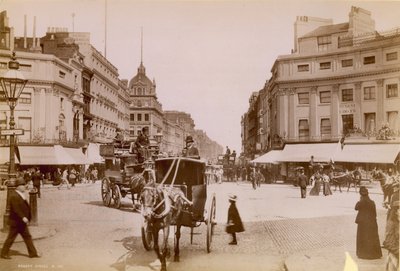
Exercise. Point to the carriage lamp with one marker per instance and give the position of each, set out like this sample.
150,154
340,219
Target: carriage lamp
12,83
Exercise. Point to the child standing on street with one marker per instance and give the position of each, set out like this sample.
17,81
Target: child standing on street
234,221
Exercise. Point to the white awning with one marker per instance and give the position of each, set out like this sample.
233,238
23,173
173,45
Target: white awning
368,153
93,153
271,157
37,155
322,152
78,156
5,155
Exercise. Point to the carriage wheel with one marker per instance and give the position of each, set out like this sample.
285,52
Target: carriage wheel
211,222
106,191
147,235
116,196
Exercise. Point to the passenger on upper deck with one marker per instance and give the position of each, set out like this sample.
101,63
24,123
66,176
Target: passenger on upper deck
142,143
190,150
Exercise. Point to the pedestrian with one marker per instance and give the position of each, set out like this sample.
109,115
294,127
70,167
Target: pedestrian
368,245
391,242
326,185
64,179
37,178
234,221
72,177
316,179
302,182
20,215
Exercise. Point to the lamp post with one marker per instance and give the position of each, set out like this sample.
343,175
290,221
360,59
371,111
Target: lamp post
12,83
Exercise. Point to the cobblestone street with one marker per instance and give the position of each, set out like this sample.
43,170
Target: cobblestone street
89,235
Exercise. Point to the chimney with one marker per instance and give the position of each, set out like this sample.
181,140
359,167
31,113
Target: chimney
24,31
34,32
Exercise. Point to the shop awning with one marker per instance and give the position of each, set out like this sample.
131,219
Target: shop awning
78,156
37,155
322,152
93,153
5,155
368,153
270,157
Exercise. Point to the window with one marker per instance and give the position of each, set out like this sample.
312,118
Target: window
303,130
62,103
369,120
347,63
146,117
347,95
25,98
132,117
391,56
392,118
303,68
132,132
391,90
324,40
369,93
139,117
369,60
347,123
304,98
324,65
325,97
325,128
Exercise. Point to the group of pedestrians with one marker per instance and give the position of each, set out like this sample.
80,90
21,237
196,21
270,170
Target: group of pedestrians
317,180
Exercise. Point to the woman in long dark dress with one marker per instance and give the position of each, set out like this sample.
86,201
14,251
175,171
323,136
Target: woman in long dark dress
368,245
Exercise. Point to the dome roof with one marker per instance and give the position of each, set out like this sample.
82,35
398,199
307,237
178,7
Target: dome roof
141,77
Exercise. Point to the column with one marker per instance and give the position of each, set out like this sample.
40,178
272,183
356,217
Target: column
335,114
380,102
292,115
36,121
282,112
313,121
358,116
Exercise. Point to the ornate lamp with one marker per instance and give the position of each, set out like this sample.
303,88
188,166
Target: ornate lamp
12,83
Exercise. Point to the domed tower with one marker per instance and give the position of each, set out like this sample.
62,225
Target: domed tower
144,109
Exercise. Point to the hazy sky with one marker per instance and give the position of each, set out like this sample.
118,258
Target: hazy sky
207,57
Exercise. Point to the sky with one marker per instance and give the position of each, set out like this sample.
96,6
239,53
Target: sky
206,57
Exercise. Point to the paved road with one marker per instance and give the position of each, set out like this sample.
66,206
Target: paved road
278,224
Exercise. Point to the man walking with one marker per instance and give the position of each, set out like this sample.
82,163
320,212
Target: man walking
20,214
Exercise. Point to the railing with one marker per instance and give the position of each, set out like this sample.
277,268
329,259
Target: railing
350,40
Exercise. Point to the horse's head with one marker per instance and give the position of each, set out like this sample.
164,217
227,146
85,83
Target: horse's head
149,199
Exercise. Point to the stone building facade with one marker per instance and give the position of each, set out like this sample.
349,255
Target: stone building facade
339,78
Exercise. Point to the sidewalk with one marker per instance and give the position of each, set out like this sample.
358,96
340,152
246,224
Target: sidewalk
332,259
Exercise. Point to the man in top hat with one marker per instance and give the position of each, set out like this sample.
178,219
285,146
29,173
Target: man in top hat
142,143
20,214
190,150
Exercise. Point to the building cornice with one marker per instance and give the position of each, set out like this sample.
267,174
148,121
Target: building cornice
334,78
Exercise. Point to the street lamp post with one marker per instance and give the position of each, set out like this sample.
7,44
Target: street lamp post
12,83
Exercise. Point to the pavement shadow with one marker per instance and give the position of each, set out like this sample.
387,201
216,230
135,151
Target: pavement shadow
124,206
132,258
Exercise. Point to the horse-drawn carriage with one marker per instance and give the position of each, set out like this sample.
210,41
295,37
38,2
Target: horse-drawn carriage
124,174
178,197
